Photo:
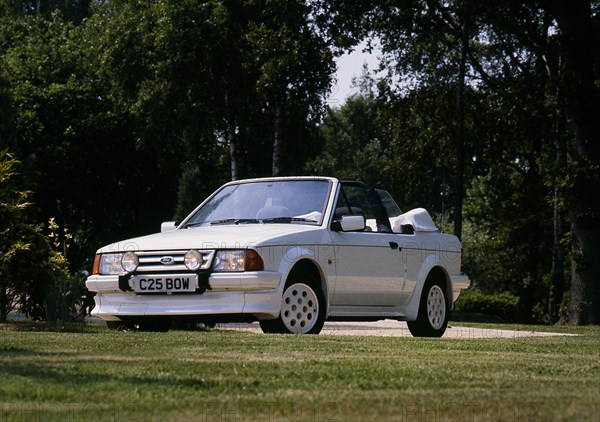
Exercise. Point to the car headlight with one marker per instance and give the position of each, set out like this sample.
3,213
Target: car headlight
238,260
130,261
193,260
108,263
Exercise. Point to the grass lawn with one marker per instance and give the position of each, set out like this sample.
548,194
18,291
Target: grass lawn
95,374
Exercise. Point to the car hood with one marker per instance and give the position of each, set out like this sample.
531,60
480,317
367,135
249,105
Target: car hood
212,237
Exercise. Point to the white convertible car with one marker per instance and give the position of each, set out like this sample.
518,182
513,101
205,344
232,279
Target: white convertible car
290,253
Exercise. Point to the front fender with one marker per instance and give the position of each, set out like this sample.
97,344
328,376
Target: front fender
294,254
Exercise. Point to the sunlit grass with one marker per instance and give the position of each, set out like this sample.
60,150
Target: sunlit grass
96,374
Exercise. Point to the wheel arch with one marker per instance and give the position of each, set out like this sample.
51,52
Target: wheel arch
430,268
432,315
308,266
439,273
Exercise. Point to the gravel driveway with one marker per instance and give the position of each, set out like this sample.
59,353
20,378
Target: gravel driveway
390,328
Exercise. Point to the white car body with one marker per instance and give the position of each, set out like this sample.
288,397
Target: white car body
362,274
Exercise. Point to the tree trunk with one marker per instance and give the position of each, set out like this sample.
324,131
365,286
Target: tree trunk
583,109
557,276
277,138
233,153
460,139
584,300
232,139
3,303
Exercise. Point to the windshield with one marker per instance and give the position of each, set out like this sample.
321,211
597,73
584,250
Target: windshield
286,201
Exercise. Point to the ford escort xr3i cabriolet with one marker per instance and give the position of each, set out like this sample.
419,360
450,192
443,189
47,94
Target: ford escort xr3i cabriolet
290,253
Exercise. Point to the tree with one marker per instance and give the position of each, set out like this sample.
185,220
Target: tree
216,77
294,68
351,140
528,26
6,124
397,142
425,43
496,60
73,10
65,133
579,44
21,244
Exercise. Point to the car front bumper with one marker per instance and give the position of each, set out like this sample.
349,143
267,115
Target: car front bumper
253,293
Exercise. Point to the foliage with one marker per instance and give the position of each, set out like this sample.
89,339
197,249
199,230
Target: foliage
111,106
73,10
74,150
518,95
399,143
28,267
125,113
503,305
16,235
351,142
63,302
503,226
190,192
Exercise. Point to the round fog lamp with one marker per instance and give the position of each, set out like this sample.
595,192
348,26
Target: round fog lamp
193,260
130,261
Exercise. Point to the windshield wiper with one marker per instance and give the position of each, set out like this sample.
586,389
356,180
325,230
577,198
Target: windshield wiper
234,221
196,224
275,220
288,220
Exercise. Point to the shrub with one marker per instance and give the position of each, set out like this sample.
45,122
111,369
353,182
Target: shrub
503,306
63,298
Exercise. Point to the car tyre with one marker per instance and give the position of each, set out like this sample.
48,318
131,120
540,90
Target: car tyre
302,308
432,318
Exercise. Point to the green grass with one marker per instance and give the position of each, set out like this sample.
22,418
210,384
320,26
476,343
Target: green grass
91,373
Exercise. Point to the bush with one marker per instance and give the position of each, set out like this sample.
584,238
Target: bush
502,306
24,269
63,301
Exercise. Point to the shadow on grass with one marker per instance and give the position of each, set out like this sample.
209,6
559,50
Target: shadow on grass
44,326
50,369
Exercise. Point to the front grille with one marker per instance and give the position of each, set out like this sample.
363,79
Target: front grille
157,261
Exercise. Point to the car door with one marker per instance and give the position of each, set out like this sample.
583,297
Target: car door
369,265
369,270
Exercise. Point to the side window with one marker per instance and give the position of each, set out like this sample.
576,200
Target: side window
357,199
392,208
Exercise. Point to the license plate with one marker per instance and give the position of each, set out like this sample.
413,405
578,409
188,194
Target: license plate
173,283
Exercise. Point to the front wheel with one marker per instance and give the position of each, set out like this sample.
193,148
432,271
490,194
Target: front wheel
432,318
302,310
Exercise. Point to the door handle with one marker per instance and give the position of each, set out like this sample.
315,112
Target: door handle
394,245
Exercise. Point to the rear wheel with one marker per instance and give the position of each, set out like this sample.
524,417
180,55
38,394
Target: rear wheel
432,318
302,309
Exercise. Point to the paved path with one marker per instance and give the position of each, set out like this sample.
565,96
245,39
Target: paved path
385,328
390,328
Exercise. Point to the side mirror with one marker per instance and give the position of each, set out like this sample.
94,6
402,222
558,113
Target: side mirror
168,226
350,223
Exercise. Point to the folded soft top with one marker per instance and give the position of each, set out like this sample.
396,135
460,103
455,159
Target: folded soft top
419,218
